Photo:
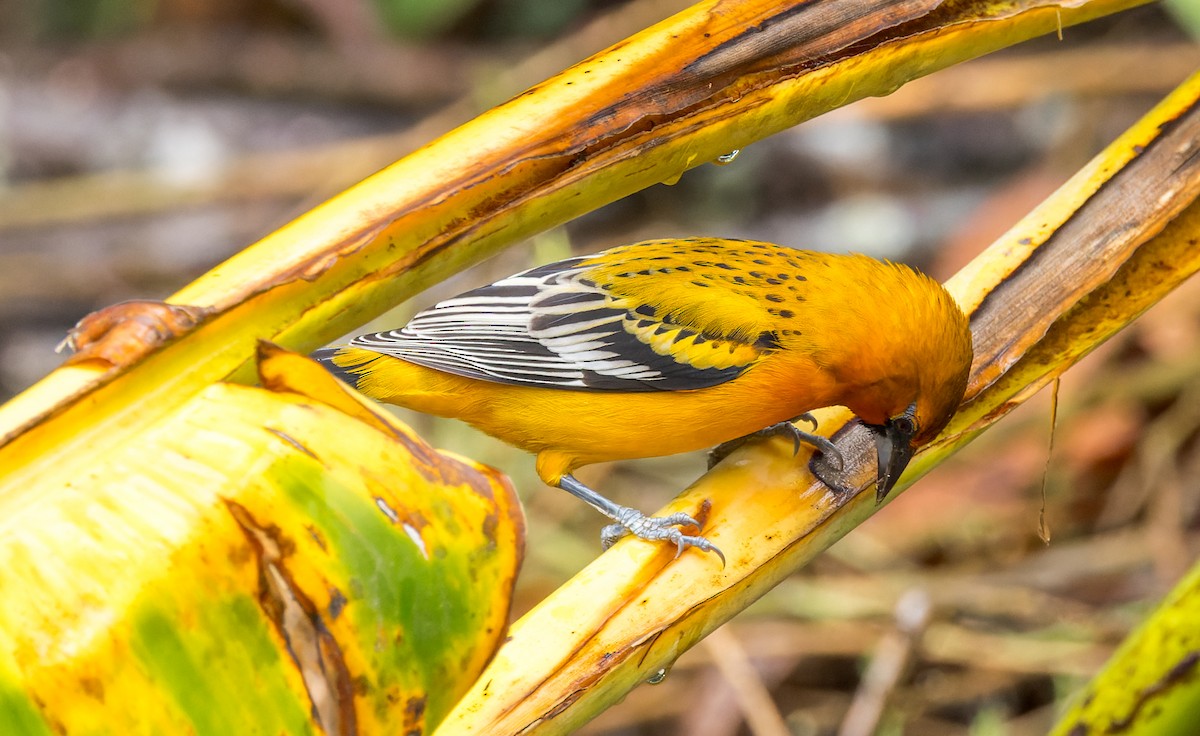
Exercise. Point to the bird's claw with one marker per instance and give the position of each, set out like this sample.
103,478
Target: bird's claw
832,455
806,417
787,429
657,528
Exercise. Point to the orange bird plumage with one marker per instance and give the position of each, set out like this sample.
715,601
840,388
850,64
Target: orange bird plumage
676,345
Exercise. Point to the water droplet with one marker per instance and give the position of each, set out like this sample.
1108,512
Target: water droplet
658,677
673,179
727,158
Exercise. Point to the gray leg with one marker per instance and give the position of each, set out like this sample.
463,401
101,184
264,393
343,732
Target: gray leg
632,521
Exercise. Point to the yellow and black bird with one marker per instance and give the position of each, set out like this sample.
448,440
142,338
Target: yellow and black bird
668,346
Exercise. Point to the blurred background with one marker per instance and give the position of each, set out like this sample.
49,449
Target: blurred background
144,141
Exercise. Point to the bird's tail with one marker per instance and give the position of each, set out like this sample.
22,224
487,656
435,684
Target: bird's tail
342,369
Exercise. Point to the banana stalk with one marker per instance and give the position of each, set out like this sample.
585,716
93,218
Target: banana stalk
1149,686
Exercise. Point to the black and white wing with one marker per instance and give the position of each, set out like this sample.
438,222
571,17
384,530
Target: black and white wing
553,326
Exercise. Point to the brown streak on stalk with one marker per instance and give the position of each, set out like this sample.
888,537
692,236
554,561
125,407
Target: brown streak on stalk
1107,228
1182,670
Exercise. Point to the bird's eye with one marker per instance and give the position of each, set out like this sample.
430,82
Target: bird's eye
904,424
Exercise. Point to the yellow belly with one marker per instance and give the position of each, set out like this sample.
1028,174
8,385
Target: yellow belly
576,428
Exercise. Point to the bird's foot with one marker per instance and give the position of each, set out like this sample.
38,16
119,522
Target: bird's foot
784,429
632,521
655,529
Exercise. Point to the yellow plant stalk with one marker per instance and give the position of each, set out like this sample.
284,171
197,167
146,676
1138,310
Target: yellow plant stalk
1112,241
1149,687
262,561
713,78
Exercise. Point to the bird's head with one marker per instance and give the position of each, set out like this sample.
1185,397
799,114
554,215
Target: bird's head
901,428
918,357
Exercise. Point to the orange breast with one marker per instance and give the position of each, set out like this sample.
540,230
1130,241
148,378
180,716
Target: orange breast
587,427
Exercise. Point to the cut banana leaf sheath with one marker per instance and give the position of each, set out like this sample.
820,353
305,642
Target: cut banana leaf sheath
259,563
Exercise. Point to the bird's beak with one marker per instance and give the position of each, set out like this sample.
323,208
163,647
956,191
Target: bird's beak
894,449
